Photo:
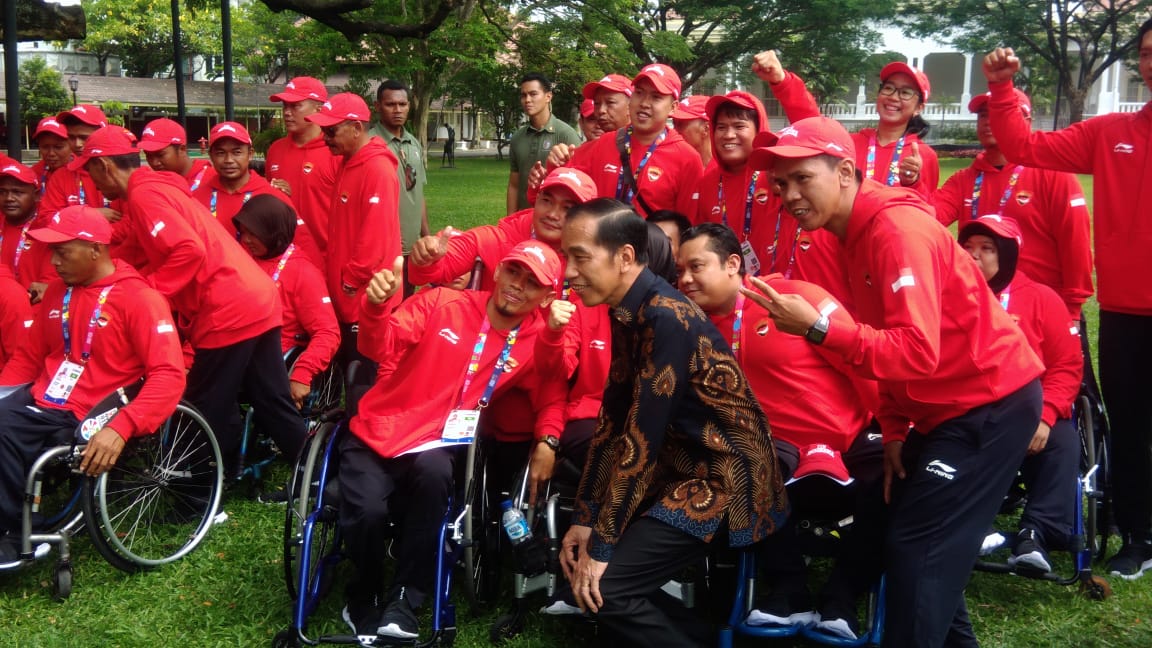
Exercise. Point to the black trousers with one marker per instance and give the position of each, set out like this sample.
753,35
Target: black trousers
348,353
1125,345
26,431
413,490
1050,477
957,475
648,554
256,367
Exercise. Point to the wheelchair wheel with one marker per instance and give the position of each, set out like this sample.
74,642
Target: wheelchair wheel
481,532
160,499
62,582
304,487
327,392
1093,453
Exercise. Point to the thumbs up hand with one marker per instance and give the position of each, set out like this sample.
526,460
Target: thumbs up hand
430,249
385,283
910,165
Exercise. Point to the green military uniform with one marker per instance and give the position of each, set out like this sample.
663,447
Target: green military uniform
531,145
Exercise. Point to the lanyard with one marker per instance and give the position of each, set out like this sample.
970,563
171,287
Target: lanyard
43,182
1012,180
497,371
19,244
198,178
283,262
1004,296
747,206
737,324
792,254
212,205
893,166
84,195
86,351
625,194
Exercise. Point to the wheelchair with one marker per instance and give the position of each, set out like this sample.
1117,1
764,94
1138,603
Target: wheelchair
1090,519
153,507
825,513
312,540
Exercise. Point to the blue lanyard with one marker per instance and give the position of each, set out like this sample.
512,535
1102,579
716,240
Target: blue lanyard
893,166
198,178
65,316
737,324
84,195
497,371
747,206
212,206
20,243
1012,180
625,194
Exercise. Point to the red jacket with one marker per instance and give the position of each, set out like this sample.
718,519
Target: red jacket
1053,218
363,225
424,348
64,190
134,337
927,327
228,204
15,315
1117,150
489,242
808,392
929,177
307,313
583,350
200,172
1054,336
34,263
668,181
218,292
310,171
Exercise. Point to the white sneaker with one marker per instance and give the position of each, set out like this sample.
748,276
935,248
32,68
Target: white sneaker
837,628
993,541
760,618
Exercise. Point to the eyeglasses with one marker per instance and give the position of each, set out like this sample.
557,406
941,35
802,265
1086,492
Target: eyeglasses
330,131
905,94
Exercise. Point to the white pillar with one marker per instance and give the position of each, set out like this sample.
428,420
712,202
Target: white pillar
861,101
966,96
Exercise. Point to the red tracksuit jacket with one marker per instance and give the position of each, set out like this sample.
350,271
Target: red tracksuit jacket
134,337
64,190
1117,150
927,327
15,315
307,313
310,171
34,262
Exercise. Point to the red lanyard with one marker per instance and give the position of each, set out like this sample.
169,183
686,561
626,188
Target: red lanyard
283,262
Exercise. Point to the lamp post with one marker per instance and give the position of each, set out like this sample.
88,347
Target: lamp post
73,83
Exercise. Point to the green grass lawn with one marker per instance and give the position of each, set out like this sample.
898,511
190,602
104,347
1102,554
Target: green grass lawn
231,592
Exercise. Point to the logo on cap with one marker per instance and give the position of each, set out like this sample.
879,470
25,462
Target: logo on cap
148,131
788,130
225,127
51,122
328,105
12,167
536,252
80,109
290,86
571,176
654,68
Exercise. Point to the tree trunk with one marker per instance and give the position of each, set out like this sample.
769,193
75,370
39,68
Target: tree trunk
1076,98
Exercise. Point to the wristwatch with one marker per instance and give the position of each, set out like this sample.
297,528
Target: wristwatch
819,330
552,442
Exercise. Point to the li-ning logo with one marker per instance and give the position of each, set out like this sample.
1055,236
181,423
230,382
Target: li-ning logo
1124,148
290,86
149,131
536,252
450,335
571,176
788,130
654,68
225,127
941,469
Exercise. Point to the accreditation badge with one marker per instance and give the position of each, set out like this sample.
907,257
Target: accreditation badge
751,261
461,426
63,382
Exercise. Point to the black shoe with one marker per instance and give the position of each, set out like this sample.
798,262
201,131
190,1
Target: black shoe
1133,559
362,615
1029,552
398,621
279,496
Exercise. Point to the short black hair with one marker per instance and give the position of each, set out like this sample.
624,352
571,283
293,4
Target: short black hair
1144,29
671,216
721,240
733,110
391,84
833,161
617,225
544,81
125,162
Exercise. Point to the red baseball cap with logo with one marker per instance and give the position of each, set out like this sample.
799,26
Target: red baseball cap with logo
736,97
52,126
301,88
229,130
821,459
693,107
980,102
540,259
663,77
574,180
78,222
804,139
105,142
1002,226
159,134
587,108
611,83
14,169
85,114
918,77
342,107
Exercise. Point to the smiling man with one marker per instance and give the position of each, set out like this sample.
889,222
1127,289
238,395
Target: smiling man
530,144
165,146
947,358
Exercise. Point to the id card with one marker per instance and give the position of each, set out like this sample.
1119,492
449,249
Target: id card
63,382
751,261
461,426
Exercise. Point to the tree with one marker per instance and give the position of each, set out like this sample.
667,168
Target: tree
41,92
357,18
1076,40
140,33
271,46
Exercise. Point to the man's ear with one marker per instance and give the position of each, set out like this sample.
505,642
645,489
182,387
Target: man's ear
627,256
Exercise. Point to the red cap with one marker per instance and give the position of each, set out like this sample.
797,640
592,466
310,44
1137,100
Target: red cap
538,258
301,88
342,107
587,108
765,139
79,222
806,138
737,97
979,102
692,107
820,459
51,125
229,130
918,77
611,83
574,180
663,77
159,134
85,113
1002,226
14,169
105,142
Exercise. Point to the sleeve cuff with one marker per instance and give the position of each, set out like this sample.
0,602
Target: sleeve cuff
599,549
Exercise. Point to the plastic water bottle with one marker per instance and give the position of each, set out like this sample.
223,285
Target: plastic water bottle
514,524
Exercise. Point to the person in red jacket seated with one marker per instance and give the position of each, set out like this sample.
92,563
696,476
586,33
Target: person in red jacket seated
1050,470
165,146
947,357
267,226
101,328
444,356
15,315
